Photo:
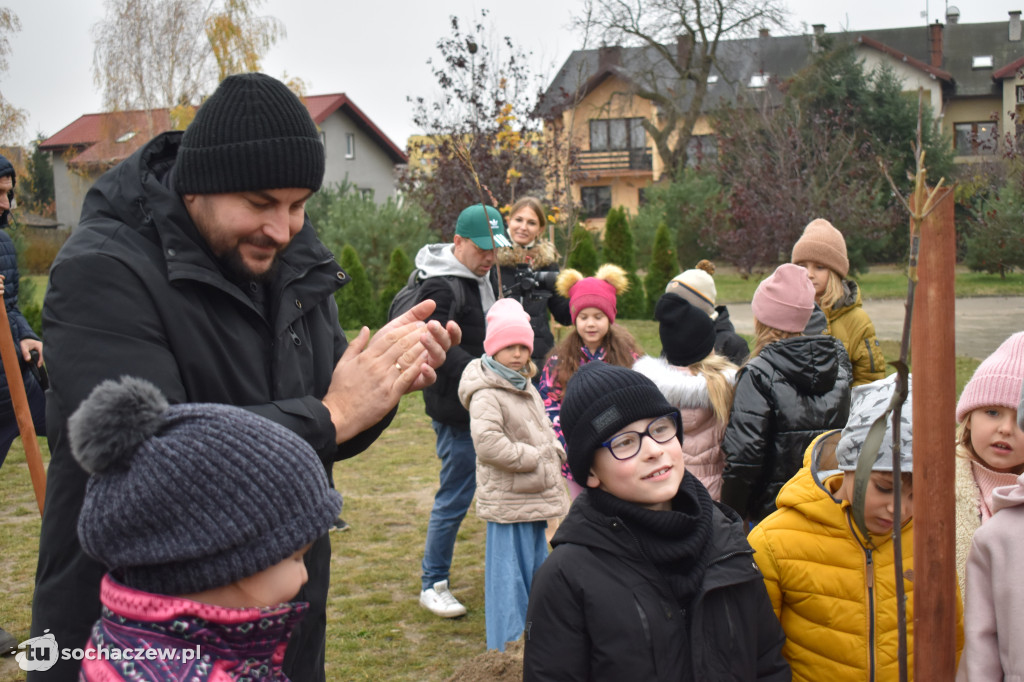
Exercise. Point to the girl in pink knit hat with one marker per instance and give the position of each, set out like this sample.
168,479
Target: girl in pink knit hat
822,251
594,336
792,389
989,442
518,462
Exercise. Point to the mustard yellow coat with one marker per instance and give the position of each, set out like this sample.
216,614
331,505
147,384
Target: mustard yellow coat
835,598
848,322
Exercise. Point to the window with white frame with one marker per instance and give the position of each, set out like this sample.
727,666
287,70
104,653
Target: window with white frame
976,138
350,145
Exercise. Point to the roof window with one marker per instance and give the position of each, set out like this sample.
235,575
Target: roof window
981,62
758,81
127,136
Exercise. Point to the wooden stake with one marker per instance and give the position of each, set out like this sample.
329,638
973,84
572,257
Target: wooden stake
16,385
933,357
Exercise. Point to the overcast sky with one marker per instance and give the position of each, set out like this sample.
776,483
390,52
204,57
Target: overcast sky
374,51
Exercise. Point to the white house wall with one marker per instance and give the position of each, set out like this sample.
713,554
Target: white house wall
69,190
370,168
911,77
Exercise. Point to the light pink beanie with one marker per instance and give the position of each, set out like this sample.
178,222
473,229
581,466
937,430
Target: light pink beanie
997,381
507,325
785,299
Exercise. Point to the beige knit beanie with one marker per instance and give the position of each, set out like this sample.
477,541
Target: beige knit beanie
822,243
697,286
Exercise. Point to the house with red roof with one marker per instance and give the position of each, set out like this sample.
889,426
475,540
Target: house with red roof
357,150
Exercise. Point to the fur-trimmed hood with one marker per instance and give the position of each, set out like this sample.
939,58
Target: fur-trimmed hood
682,389
541,253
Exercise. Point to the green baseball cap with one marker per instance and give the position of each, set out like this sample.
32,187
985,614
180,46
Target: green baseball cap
474,224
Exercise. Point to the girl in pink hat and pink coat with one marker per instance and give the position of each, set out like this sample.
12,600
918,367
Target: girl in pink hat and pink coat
594,336
792,389
518,458
989,443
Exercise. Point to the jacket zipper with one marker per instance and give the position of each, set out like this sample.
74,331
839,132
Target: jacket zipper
871,356
871,613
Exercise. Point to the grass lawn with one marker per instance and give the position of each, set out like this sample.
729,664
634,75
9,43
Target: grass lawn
881,281
376,629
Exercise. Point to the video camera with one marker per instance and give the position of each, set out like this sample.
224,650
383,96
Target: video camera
530,284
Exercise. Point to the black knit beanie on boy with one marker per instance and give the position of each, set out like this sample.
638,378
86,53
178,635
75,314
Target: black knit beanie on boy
687,333
599,400
252,133
185,498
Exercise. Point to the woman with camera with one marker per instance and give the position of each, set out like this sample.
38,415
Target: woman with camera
528,272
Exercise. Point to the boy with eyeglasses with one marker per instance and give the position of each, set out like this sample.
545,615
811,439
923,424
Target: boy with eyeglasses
649,577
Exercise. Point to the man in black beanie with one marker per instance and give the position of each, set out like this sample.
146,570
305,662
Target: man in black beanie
196,268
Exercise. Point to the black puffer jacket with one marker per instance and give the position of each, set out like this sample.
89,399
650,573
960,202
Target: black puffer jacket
600,610
541,257
727,342
135,291
794,390
20,328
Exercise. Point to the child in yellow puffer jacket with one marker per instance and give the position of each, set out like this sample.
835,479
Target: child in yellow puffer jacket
822,251
833,587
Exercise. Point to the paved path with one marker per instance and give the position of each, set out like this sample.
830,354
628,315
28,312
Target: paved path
981,323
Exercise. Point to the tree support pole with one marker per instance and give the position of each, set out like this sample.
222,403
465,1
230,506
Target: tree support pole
934,387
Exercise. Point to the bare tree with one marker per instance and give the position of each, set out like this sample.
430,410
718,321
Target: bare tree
166,53
12,119
680,40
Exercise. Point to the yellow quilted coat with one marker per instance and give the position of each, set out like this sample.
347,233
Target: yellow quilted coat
848,322
835,598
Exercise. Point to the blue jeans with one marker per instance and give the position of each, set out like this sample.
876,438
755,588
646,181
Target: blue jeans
514,553
458,483
37,407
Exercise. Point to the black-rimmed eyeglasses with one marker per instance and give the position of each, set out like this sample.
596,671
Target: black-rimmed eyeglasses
660,430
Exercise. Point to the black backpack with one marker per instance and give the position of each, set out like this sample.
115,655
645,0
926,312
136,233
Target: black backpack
408,296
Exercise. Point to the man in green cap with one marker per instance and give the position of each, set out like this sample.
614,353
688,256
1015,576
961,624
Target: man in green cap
467,263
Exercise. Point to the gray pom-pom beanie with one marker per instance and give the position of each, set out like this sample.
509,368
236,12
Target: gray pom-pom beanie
186,498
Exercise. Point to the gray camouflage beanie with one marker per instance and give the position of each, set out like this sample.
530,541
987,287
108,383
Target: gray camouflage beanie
185,498
867,403
252,133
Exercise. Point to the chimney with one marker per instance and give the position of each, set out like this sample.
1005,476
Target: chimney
684,47
952,15
763,32
608,56
935,42
1015,26
819,32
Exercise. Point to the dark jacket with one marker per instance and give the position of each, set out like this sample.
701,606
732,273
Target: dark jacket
794,390
136,291
727,341
441,399
541,258
20,328
600,610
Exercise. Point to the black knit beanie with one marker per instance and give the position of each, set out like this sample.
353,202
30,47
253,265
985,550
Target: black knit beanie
252,133
599,400
687,333
190,497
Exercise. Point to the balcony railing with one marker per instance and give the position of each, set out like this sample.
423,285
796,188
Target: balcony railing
616,160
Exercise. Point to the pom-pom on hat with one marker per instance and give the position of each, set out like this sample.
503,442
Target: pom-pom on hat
867,403
697,286
252,133
507,325
822,243
997,381
477,223
687,333
785,299
598,291
599,400
186,498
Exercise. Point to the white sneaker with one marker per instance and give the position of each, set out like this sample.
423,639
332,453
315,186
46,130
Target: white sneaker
439,600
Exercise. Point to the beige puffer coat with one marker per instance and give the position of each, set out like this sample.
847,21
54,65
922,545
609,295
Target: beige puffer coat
518,456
